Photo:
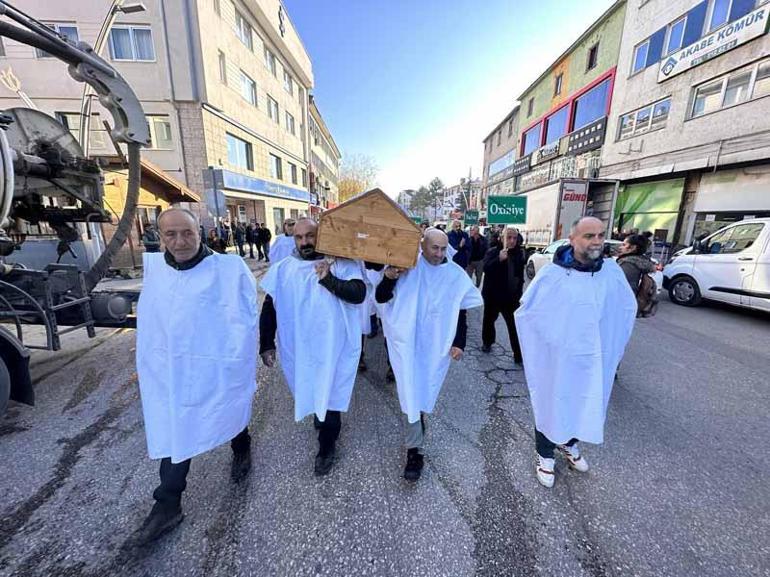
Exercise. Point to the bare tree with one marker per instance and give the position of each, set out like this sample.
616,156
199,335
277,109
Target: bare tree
358,173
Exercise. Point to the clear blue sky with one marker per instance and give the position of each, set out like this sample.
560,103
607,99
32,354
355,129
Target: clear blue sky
418,84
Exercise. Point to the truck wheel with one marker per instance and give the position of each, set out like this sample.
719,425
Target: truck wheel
5,387
684,291
530,270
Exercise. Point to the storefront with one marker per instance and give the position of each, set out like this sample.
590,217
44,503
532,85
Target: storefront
651,206
728,196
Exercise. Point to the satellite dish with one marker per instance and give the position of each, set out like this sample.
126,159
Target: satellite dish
32,126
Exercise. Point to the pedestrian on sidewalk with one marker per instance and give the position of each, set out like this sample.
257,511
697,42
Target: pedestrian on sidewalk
251,238
264,238
503,286
460,242
215,242
320,346
284,244
151,239
574,323
479,247
423,312
196,381
240,238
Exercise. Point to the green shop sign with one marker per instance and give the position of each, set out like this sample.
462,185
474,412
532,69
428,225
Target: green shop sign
471,217
507,210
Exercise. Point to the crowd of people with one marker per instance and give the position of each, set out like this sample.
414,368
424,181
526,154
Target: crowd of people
567,331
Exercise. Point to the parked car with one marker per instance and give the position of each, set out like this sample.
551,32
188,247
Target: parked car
540,258
731,265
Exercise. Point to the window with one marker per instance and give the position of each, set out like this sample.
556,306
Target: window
222,68
304,178
652,117
510,127
239,152
276,170
290,124
557,84
530,106
593,57
2,47
272,109
160,133
288,82
556,125
217,8
640,57
270,62
248,89
69,31
592,105
735,239
132,43
675,35
293,170
720,12
732,89
499,136
300,95
243,31
531,139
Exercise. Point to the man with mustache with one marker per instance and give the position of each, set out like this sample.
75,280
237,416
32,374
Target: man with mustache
574,323
312,305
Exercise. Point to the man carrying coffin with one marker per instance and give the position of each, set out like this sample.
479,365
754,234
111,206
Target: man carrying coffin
283,245
312,306
423,312
196,380
574,322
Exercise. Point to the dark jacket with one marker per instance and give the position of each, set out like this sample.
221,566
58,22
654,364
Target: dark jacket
352,291
634,266
264,235
251,235
565,257
479,247
151,240
463,254
384,292
240,235
504,281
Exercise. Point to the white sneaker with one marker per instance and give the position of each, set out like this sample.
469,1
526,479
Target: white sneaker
575,460
544,470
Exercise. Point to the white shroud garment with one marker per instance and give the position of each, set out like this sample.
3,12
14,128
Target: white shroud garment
573,327
282,247
319,334
371,279
196,353
420,323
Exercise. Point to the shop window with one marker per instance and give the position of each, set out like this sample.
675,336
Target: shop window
531,139
592,105
556,125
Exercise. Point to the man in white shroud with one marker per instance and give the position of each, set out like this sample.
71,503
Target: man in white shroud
283,245
574,323
313,306
196,359
423,312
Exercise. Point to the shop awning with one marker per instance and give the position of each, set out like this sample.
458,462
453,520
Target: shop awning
156,181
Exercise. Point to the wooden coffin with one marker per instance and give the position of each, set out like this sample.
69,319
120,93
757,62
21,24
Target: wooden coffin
370,227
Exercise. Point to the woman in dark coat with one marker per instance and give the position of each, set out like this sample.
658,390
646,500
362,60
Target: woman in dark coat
634,260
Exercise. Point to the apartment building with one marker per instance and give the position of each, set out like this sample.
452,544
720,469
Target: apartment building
325,161
499,154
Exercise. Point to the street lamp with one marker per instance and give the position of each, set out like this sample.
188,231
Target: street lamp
117,7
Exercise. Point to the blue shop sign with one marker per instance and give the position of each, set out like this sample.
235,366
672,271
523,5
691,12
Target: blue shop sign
240,182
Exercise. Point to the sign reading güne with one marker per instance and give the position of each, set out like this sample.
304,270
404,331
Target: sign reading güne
738,32
507,210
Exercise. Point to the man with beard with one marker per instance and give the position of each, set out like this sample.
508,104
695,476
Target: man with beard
312,305
503,285
423,312
196,360
574,323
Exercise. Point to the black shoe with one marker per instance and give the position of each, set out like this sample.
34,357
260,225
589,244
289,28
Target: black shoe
241,465
414,464
486,348
390,376
324,461
375,327
160,521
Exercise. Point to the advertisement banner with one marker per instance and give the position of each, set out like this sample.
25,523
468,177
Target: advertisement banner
507,210
471,217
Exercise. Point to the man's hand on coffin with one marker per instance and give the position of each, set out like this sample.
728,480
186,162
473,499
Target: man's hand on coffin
456,353
322,269
268,358
393,272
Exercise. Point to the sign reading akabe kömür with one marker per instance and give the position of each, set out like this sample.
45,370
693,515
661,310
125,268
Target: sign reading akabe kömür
507,210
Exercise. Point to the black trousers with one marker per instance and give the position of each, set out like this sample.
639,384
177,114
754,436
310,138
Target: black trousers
492,310
251,250
260,254
173,476
240,249
328,430
545,447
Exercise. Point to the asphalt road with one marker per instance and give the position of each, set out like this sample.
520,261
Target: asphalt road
679,488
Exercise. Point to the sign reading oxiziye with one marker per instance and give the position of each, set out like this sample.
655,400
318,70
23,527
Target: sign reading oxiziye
471,217
740,31
507,210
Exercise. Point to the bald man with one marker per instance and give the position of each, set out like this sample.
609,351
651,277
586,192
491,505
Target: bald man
311,303
196,360
423,312
574,322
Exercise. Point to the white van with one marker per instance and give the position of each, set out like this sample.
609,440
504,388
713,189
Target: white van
732,266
